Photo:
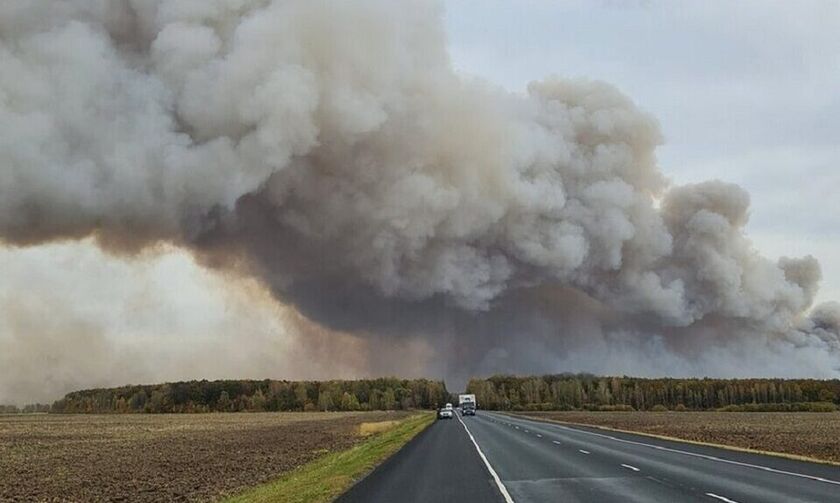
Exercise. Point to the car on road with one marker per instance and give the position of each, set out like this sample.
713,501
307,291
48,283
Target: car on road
445,413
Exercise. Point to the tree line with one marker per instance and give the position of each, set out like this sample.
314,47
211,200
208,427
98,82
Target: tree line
257,396
26,409
589,392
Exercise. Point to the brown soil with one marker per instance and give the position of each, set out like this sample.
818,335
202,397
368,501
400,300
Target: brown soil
811,434
173,457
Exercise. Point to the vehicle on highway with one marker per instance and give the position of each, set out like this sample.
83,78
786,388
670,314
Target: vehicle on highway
445,413
449,406
467,404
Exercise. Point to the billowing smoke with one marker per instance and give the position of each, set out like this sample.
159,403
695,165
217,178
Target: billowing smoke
329,150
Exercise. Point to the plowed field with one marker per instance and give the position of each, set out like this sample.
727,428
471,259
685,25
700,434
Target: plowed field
177,457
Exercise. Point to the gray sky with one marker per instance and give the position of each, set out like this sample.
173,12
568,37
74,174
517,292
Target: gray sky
746,92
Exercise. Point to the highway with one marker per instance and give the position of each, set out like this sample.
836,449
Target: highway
532,461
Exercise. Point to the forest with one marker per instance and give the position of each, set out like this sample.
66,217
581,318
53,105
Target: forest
258,396
589,392
500,392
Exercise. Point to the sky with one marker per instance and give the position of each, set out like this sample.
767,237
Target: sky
745,92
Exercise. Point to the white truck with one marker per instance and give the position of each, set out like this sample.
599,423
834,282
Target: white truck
467,404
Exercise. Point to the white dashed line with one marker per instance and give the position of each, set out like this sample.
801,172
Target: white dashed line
722,498
490,469
584,452
526,431
539,436
697,455
556,442
630,467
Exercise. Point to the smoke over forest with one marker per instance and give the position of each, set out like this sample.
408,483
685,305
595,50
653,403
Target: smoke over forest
329,152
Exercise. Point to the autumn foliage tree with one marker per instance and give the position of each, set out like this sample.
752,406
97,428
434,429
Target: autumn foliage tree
255,396
584,391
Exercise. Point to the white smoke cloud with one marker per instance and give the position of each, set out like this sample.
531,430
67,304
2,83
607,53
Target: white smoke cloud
331,151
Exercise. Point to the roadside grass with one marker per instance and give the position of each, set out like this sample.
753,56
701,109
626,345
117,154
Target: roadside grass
367,429
325,478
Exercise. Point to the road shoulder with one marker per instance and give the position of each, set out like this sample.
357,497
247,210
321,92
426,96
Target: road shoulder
327,477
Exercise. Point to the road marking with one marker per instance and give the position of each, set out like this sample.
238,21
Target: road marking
722,498
502,488
584,452
556,442
539,436
630,467
517,427
694,454
526,431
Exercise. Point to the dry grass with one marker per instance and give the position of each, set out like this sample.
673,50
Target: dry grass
366,429
810,434
172,457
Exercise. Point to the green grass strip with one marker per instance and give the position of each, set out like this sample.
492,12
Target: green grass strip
325,478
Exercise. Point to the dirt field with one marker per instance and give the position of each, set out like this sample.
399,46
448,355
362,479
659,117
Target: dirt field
176,457
816,435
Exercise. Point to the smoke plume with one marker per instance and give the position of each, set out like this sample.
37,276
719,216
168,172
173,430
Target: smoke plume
329,150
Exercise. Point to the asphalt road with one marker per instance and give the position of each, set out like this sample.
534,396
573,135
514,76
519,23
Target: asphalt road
438,465
537,462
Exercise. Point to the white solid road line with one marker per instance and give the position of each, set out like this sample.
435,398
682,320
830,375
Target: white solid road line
722,498
502,488
584,452
693,454
630,467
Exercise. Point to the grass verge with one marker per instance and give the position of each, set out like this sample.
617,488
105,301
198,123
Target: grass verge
327,477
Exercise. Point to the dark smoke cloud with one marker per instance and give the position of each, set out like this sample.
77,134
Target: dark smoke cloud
330,150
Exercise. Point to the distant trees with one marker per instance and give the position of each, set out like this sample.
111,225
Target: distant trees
503,392
265,395
223,404
584,391
27,409
258,401
389,400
